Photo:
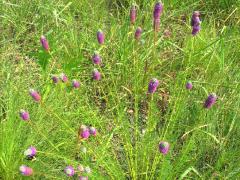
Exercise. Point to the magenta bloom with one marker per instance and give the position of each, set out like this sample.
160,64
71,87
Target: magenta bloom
152,86
35,95
100,37
93,131
133,13
195,23
25,170
75,84
83,178
63,77
189,85
96,59
195,30
138,33
84,132
55,79
164,147
210,101
30,152
157,12
44,43
24,115
69,171
96,75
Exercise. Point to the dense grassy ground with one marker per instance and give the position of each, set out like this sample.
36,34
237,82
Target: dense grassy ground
204,144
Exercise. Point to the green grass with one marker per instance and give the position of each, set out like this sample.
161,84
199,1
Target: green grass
204,144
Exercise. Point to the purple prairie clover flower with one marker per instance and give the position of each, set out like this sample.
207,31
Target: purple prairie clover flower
93,131
83,178
55,79
24,115
63,77
100,37
156,25
138,33
164,147
189,85
96,75
30,152
157,12
210,101
25,170
96,59
75,83
195,30
152,86
69,171
44,43
195,22
133,14
35,95
84,132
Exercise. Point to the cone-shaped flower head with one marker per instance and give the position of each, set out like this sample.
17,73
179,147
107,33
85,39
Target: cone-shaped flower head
24,115
35,95
55,79
83,178
195,30
138,33
93,131
133,14
87,170
84,132
189,85
164,147
96,75
100,37
75,83
152,86
210,101
96,59
44,43
25,170
157,12
30,152
69,171
195,22
63,77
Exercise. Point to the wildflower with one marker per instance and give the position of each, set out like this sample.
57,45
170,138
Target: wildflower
83,149
35,95
30,152
83,178
63,77
195,22
210,101
100,37
138,33
93,131
44,43
84,132
164,147
55,79
189,85
87,170
24,115
152,86
75,84
80,168
25,170
69,171
96,75
133,13
96,59
158,9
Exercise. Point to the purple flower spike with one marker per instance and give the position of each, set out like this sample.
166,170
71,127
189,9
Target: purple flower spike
24,115
133,13
164,147
152,86
44,43
83,178
55,79
75,84
63,77
96,59
158,9
25,170
30,152
195,30
84,132
195,23
35,95
100,37
96,75
210,101
189,85
138,33
93,131
69,171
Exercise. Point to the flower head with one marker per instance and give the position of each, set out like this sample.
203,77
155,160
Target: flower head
24,115
55,79
63,77
83,178
96,59
96,75
138,33
75,84
164,147
30,152
152,86
35,95
93,131
189,85
84,132
25,170
195,22
44,43
100,37
133,13
210,101
69,171
158,9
